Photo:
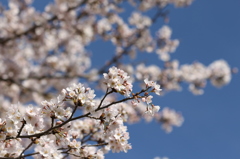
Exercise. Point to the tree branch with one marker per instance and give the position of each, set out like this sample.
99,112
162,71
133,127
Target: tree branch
35,26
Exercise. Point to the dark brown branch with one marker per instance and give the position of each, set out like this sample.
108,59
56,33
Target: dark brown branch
20,130
52,124
123,100
74,110
50,130
20,156
100,144
106,94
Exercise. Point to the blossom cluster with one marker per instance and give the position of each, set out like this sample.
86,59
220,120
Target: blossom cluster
118,80
169,118
43,51
139,21
146,5
57,128
165,44
196,74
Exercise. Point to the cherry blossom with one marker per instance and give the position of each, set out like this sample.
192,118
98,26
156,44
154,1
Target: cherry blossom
57,102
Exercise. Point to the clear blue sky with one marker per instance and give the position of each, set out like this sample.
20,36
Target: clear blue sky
208,30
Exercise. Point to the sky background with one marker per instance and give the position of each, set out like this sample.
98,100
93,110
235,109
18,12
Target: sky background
208,30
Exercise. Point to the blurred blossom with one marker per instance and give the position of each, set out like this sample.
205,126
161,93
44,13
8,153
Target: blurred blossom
42,52
165,44
169,118
220,73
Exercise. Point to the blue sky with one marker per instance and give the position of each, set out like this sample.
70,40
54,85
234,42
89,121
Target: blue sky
208,30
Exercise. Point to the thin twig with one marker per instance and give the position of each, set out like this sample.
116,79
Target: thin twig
20,156
20,130
106,94
101,144
123,100
49,131
31,154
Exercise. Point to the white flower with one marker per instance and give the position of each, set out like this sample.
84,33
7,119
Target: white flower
140,21
165,44
165,32
75,144
220,73
147,99
118,80
151,109
170,118
156,87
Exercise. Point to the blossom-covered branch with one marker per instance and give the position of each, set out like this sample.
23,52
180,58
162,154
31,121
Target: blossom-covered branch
54,125
43,51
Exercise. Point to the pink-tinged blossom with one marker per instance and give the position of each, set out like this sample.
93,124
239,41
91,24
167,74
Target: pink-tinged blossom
152,109
11,148
47,147
169,118
45,51
155,87
118,80
75,144
147,99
